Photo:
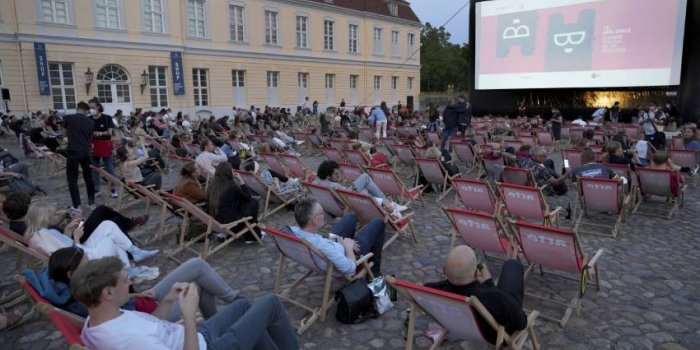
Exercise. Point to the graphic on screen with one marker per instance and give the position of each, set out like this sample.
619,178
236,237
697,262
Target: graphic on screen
578,43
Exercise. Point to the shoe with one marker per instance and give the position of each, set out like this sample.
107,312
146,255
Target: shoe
221,237
141,254
141,274
115,194
140,220
399,207
694,171
299,142
74,212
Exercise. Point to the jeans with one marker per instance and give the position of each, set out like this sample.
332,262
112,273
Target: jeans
109,167
19,168
446,134
73,161
366,185
262,325
105,213
155,178
511,280
210,284
370,239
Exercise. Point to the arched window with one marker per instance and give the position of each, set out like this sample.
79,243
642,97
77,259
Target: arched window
112,73
113,84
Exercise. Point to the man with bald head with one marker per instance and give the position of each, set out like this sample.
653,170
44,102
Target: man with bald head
466,276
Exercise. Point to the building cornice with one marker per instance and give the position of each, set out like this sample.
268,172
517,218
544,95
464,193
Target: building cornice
49,39
351,12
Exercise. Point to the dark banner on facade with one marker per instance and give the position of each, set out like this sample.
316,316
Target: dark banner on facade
42,68
178,77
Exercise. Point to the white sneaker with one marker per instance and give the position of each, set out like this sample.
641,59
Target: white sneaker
398,207
115,194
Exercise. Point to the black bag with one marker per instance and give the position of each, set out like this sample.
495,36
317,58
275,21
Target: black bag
355,302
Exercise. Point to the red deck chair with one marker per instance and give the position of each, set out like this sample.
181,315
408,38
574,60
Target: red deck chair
273,162
480,231
269,194
123,201
516,144
19,243
490,165
366,134
340,144
327,197
632,132
476,195
303,253
624,170
355,157
677,142
517,176
657,182
435,174
528,203
574,157
366,209
405,155
575,134
685,158
528,140
545,138
434,137
70,326
332,154
603,196
560,250
465,153
296,167
192,211
154,198
481,139
457,315
391,185
350,171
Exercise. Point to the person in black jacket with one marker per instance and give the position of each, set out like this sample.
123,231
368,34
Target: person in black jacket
465,276
78,129
456,116
230,199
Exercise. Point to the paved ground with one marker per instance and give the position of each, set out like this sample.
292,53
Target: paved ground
649,297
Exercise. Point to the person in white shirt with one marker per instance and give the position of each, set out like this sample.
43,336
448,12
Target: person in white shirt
210,156
102,285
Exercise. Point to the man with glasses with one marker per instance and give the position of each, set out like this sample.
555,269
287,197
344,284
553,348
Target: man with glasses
543,171
343,251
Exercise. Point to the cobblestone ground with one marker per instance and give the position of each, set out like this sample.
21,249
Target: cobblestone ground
650,296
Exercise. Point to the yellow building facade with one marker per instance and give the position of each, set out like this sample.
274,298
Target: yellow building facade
232,53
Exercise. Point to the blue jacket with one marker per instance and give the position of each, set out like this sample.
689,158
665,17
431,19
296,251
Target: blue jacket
58,293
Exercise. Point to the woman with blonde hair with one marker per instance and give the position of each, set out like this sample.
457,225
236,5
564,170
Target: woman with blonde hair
106,240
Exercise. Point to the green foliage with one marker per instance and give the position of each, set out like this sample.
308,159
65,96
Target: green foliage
442,63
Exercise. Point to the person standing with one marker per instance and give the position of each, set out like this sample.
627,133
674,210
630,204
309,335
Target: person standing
379,115
556,121
455,116
464,116
79,129
101,143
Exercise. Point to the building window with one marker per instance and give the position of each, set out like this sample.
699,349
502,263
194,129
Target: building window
158,84
238,77
237,24
302,31
271,28
394,83
411,43
409,83
62,85
272,79
330,81
328,35
394,43
353,81
394,9
303,80
196,19
378,45
54,11
107,14
201,88
153,16
353,33
377,83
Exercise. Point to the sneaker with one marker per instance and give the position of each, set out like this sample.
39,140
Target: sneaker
141,274
74,212
221,237
115,194
694,170
140,220
400,207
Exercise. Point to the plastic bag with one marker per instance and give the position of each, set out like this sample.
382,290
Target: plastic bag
381,295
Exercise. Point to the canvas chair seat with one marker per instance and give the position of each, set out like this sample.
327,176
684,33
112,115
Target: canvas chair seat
457,316
390,183
154,197
350,171
602,195
527,203
327,198
17,242
305,254
273,162
268,193
476,195
657,182
333,154
355,157
121,187
480,231
296,167
435,174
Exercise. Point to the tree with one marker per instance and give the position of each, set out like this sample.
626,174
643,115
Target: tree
442,63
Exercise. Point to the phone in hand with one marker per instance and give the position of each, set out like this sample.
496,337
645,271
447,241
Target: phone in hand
566,163
333,237
81,223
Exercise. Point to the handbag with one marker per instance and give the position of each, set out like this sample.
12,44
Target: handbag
355,302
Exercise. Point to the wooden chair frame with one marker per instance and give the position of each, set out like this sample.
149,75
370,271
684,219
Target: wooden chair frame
268,193
121,187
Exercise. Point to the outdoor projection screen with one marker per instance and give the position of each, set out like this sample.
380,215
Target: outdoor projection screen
531,44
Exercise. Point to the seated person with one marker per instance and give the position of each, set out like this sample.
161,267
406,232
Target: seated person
129,166
286,187
591,168
188,186
616,155
543,171
378,159
465,276
310,217
210,156
106,240
661,161
103,287
230,199
690,138
15,207
52,283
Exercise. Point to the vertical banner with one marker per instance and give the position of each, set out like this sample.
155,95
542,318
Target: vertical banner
178,77
42,68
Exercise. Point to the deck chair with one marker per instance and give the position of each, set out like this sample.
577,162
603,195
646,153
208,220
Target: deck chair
333,154
515,144
405,155
154,198
356,157
435,174
69,325
480,231
465,153
685,158
366,208
624,170
192,211
192,149
327,197
269,194
560,250
476,195
390,183
457,316
677,142
350,171
273,162
490,167
296,167
528,203
546,139
366,134
575,135
603,196
574,157
657,182
517,176
121,188
19,243
632,132
303,253
528,140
